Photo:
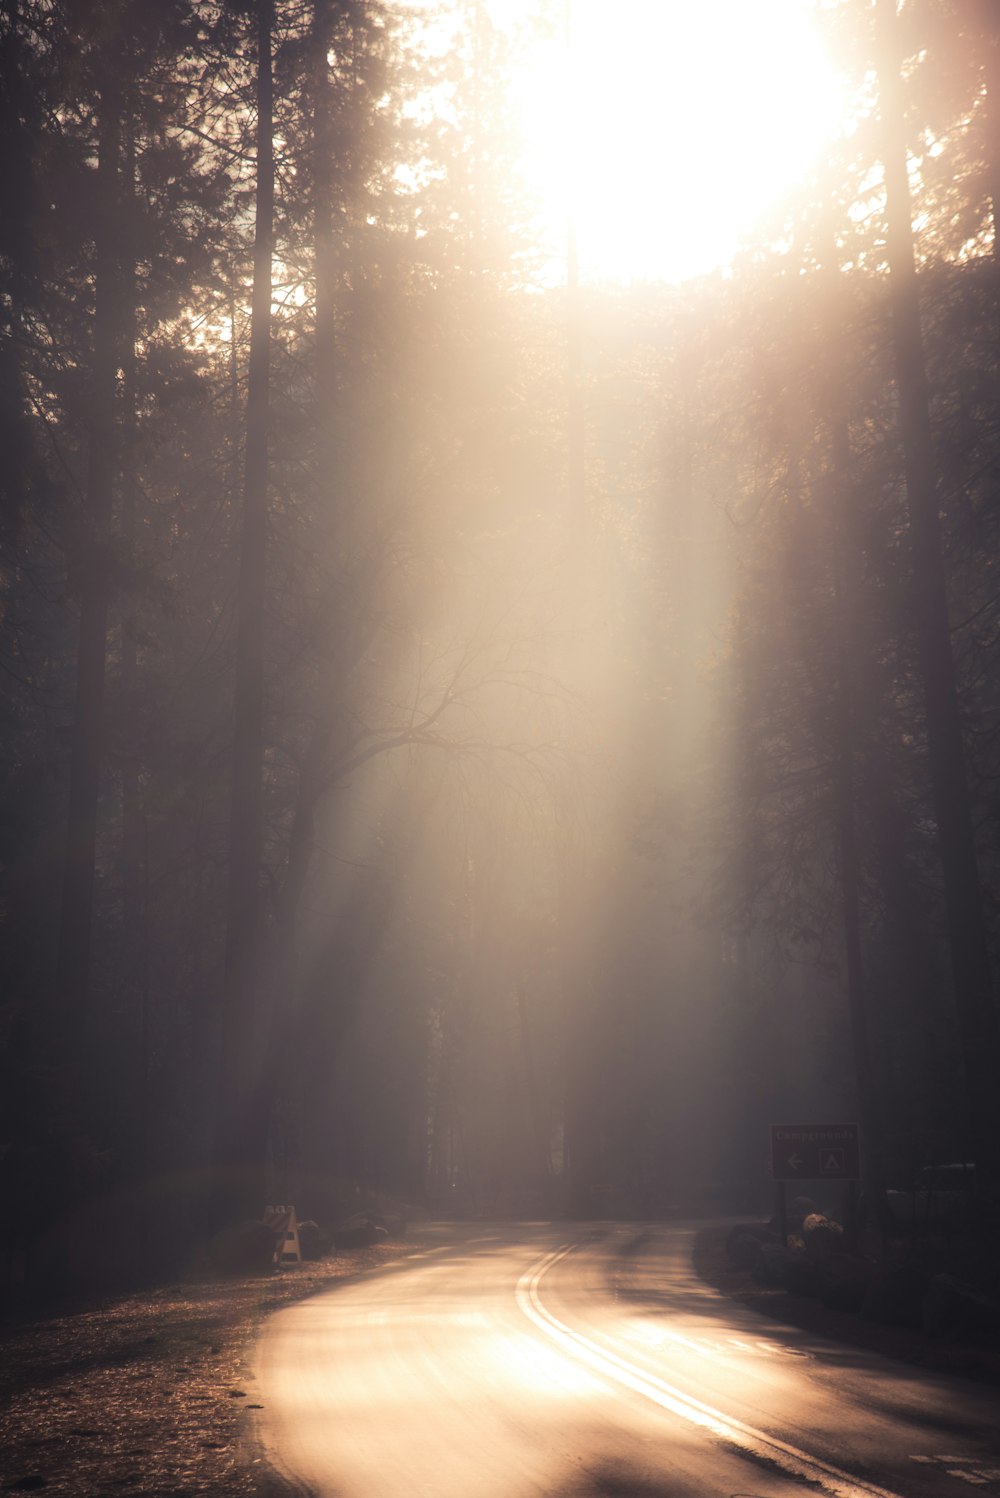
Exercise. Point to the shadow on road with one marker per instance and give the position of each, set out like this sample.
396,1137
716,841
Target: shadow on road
613,1480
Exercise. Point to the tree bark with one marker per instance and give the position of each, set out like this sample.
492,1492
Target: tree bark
323,25
576,441
983,20
851,649
93,578
541,1157
992,69
967,933
242,1142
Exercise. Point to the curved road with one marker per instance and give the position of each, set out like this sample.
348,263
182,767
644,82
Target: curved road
502,1362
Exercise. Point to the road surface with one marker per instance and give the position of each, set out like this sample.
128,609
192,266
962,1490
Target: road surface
542,1359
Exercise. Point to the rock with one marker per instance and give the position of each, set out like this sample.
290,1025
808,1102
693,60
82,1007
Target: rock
245,1248
845,1295
895,1297
742,1249
951,1308
772,1265
844,1282
803,1276
822,1238
359,1231
314,1241
743,1243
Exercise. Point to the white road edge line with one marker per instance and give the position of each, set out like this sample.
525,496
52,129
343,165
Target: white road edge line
757,1442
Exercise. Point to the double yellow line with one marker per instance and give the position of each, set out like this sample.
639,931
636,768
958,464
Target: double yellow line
756,1443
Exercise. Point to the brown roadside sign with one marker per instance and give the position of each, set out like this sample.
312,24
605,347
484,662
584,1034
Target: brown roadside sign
815,1152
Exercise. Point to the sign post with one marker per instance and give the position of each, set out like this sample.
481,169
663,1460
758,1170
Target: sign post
815,1152
812,1152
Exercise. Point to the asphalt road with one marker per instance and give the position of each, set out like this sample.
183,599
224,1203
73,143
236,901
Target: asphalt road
498,1362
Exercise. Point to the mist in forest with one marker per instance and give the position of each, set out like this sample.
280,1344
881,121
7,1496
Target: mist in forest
498,608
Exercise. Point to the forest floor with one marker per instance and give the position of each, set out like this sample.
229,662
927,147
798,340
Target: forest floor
152,1394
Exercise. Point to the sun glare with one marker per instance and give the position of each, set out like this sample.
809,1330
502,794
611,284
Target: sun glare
668,128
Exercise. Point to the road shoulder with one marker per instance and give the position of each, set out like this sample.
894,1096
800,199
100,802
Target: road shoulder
905,1344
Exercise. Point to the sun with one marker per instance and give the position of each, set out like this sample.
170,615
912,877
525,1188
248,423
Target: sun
666,128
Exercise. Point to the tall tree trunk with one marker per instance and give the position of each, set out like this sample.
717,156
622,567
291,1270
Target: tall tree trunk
576,441
93,577
845,805
992,67
983,19
134,936
851,650
541,1158
323,26
281,967
967,934
242,1140
300,843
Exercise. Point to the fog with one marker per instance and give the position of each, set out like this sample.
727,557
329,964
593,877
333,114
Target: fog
500,647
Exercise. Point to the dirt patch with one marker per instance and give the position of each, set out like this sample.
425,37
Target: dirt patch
711,1263
150,1394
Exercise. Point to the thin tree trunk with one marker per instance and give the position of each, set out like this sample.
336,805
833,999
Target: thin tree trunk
850,648
241,1146
134,943
281,1031
985,29
845,813
542,1158
93,566
992,50
576,477
323,25
952,806
300,843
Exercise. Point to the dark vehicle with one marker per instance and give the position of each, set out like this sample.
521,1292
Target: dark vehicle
942,1195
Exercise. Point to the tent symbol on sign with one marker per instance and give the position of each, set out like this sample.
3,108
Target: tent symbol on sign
831,1160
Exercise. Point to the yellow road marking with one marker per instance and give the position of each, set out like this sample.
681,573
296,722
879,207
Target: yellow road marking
798,1463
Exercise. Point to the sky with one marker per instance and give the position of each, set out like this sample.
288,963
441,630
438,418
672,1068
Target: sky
667,128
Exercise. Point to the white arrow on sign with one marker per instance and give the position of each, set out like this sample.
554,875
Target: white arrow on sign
796,1162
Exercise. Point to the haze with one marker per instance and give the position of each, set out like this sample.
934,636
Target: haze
500,627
